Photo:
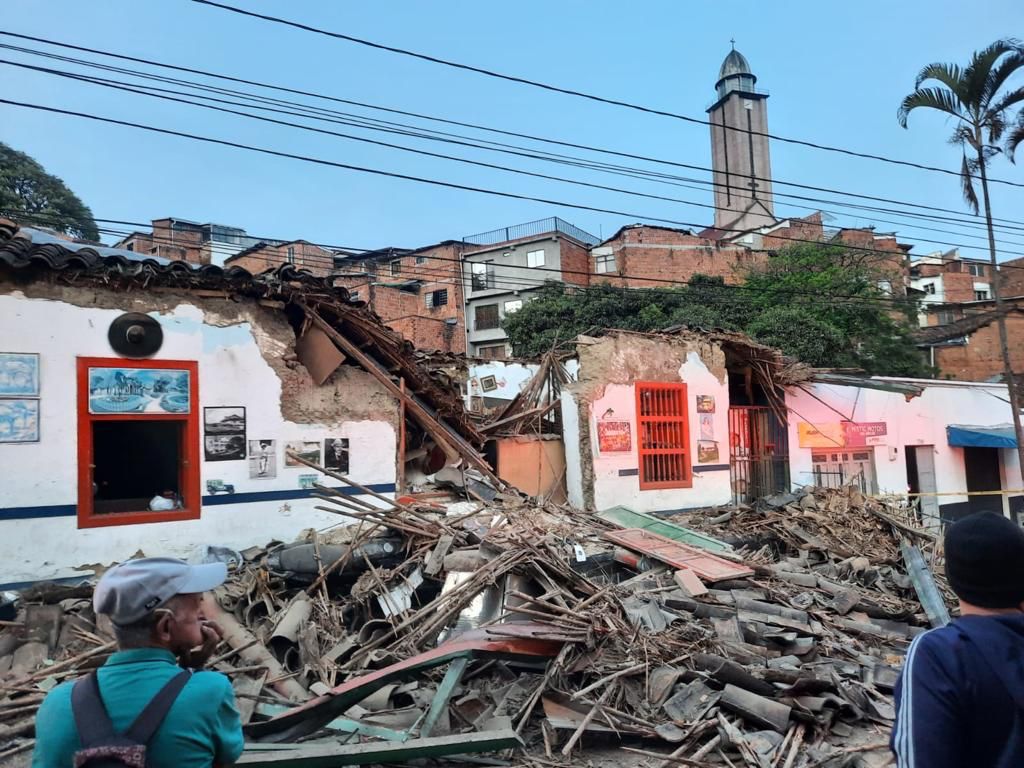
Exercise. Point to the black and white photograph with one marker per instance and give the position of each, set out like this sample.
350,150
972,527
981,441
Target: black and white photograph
336,454
262,459
224,429
307,449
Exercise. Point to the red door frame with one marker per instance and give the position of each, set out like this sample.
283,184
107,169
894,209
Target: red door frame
189,471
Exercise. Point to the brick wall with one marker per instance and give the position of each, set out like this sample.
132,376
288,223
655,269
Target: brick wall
303,255
575,260
1011,277
184,245
980,358
647,257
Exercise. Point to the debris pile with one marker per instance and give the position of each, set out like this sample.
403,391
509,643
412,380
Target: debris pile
759,636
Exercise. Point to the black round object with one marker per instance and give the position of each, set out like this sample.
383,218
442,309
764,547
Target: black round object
135,335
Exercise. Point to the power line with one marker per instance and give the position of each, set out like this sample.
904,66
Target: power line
131,89
473,126
580,94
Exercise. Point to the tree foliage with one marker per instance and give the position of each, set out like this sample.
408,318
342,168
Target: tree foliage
820,303
28,191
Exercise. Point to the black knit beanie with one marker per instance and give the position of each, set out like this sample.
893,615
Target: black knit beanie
985,560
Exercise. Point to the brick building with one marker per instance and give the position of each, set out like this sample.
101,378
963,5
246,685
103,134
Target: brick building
962,339
270,255
183,240
417,292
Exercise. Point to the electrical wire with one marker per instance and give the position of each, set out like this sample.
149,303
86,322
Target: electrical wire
582,94
283,89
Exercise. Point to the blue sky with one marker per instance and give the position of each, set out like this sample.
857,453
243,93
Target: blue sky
836,72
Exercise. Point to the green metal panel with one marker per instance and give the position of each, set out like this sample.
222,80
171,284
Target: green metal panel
627,518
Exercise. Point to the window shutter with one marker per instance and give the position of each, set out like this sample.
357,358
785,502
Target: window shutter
664,436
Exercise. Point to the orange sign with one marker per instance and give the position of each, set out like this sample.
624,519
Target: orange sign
827,435
614,437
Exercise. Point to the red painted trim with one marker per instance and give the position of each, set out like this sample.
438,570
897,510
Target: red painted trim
680,415
188,481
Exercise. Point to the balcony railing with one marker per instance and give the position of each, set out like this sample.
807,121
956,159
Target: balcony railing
529,229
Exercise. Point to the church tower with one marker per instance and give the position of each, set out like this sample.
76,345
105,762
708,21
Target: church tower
739,155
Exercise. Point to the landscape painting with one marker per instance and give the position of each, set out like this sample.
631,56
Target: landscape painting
19,421
139,390
307,449
19,374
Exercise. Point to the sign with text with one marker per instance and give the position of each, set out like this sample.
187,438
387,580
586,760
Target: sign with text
614,437
870,433
841,434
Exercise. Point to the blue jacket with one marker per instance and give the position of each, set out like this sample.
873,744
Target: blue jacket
960,696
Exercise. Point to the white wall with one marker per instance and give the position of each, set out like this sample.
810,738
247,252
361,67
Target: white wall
511,377
38,478
612,488
919,421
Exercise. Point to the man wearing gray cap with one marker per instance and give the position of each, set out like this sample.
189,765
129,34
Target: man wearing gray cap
155,606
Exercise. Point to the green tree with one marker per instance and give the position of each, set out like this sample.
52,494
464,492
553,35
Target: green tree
979,100
29,193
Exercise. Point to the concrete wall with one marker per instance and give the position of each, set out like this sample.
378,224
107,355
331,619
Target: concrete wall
608,372
919,421
731,154
240,349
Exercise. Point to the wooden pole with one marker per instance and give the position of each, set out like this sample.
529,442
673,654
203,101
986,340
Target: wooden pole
400,475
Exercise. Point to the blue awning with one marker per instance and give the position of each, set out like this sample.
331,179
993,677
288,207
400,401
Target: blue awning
999,436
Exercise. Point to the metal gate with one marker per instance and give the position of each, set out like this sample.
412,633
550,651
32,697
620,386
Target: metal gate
758,453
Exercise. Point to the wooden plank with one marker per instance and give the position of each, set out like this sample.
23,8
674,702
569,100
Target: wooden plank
444,693
437,555
624,517
706,565
246,690
328,756
924,585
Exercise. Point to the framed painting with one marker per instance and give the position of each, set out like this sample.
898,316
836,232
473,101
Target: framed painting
19,374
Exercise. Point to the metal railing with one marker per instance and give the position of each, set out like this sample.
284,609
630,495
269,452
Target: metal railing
529,229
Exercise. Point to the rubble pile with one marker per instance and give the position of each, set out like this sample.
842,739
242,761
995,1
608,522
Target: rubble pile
767,635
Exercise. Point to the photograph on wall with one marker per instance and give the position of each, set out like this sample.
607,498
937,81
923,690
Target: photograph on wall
707,452
614,436
705,403
138,390
224,433
306,482
19,420
307,449
19,374
488,383
707,426
262,459
336,454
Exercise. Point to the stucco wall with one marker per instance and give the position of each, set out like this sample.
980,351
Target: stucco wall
245,358
608,372
919,421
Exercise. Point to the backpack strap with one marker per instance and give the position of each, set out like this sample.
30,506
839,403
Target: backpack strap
149,720
91,718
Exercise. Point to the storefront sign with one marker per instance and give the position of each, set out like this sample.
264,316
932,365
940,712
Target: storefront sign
614,437
841,434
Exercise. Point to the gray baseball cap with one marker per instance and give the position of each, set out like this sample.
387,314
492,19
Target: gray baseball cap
134,589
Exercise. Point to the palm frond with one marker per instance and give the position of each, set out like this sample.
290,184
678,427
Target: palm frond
950,75
1016,137
978,70
998,76
934,98
967,185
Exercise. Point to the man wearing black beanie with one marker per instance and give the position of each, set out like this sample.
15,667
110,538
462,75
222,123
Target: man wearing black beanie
960,696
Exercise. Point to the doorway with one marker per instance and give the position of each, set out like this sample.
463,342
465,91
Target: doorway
982,466
921,480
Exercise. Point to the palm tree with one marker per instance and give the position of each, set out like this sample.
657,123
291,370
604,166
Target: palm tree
975,97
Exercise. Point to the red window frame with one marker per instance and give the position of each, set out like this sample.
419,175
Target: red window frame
663,436
188,486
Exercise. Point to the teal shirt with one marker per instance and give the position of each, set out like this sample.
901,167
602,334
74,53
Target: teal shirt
201,729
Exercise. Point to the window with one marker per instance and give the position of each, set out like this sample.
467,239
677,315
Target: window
483,275
291,254
605,263
663,442
396,267
129,246
885,286
535,258
944,317
421,259
353,295
138,437
486,316
437,298
981,295
492,352
835,470
978,270
929,288
513,306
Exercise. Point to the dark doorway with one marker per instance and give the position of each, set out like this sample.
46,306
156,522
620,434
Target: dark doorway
982,465
134,461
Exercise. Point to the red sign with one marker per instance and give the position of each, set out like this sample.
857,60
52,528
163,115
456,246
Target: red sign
869,433
614,437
